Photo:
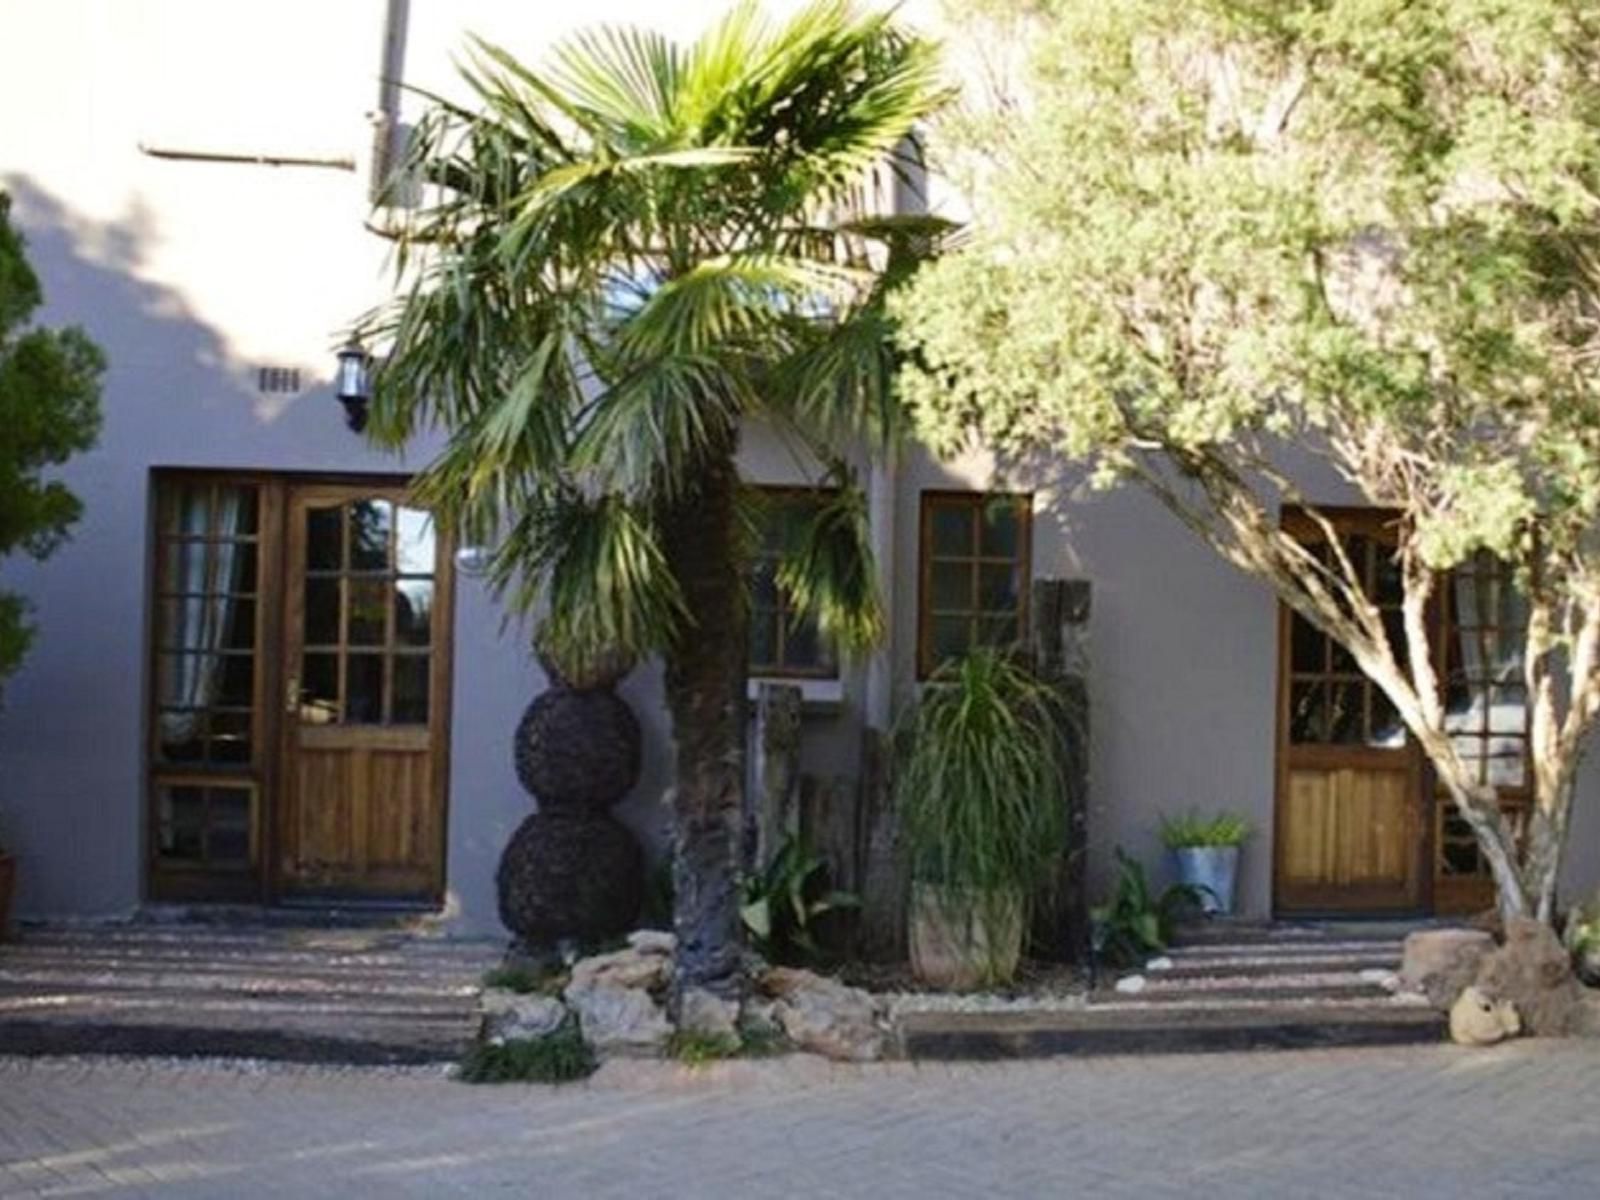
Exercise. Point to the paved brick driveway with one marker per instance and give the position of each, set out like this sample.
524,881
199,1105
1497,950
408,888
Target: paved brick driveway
1522,1120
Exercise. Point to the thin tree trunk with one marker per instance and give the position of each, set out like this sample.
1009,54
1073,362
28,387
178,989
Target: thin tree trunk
705,685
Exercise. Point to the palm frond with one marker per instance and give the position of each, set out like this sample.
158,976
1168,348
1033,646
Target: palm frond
830,574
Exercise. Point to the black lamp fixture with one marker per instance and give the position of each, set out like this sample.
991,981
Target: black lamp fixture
353,383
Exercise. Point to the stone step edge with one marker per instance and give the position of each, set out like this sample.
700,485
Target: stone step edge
1249,950
1154,1031
72,1039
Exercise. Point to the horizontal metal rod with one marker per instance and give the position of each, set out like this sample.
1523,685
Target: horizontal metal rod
262,160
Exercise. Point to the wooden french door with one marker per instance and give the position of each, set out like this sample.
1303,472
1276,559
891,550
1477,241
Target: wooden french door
365,692
1353,806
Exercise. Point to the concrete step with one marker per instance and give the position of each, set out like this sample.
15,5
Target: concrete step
1355,947
1198,967
1164,1029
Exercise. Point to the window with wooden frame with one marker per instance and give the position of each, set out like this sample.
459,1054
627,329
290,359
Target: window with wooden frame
975,570
1483,626
208,631
783,642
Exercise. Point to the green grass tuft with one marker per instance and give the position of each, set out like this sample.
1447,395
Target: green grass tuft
698,1049
526,980
559,1057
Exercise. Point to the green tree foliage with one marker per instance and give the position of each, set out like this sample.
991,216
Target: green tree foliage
1225,246
632,250
49,410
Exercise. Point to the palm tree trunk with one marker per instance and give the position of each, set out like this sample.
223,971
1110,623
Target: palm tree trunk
705,685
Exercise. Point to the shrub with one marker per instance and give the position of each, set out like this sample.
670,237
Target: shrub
559,1057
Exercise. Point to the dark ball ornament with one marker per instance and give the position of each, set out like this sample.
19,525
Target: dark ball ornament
578,749
570,874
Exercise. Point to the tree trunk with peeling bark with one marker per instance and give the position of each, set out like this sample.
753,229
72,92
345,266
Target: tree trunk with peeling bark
705,686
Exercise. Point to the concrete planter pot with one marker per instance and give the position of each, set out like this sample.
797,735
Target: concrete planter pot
1212,869
8,883
956,944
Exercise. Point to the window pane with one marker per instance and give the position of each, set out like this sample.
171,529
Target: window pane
188,680
228,847
411,689
1388,584
1506,771
181,735
319,688
1307,647
802,646
185,508
1394,629
950,637
414,541
1308,712
322,611
237,689
998,588
1508,710
323,550
230,737
1345,712
952,529
363,704
951,585
364,622
1386,731
764,584
997,631
999,534
240,624
370,524
764,638
413,612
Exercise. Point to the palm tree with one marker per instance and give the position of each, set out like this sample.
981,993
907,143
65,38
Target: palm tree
627,254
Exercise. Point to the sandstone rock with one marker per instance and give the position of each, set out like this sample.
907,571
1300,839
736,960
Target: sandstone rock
824,1016
1534,973
1441,962
628,968
619,1020
508,1015
706,1013
1476,1020
652,941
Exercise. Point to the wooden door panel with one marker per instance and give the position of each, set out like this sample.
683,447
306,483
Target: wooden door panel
1349,834
366,649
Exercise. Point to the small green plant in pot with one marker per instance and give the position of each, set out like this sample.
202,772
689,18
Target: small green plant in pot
982,798
1137,921
1206,850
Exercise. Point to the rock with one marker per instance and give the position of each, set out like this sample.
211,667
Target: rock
824,1016
570,875
708,1014
1477,1020
1533,972
653,941
1439,963
619,1020
1159,964
760,1016
1131,985
628,968
508,1015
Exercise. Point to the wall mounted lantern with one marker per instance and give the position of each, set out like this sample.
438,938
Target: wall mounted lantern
353,383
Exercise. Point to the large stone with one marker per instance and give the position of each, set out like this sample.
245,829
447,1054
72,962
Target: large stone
1477,1020
570,875
578,749
653,941
619,1020
825,1016
708,1014
628,968
508,1015
1533,972
1439,963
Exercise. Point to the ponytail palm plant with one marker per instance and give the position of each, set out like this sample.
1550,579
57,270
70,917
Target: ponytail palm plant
626,255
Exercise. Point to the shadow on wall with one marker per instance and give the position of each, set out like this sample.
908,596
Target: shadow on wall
175,392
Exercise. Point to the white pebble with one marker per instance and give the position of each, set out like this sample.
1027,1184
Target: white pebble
1130,985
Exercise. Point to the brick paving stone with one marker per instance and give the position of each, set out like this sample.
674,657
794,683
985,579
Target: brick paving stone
1413,1122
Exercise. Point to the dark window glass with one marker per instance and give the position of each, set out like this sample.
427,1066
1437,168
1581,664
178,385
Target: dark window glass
782,642
974,573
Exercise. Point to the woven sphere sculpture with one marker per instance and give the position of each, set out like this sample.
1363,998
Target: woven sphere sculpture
570,874
577,749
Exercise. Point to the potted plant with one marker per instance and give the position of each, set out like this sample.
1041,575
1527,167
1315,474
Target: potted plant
983,812
1206,850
